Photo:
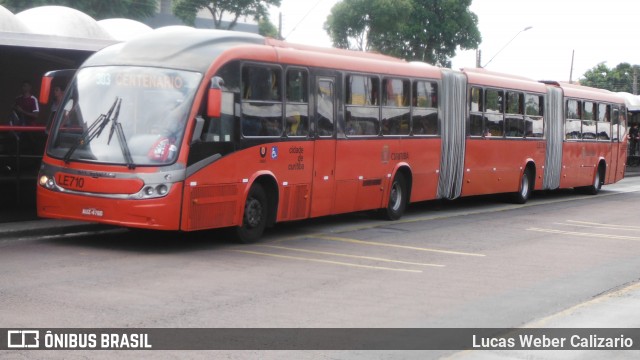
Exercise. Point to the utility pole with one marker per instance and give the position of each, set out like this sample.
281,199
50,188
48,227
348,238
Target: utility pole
571,71
478,58
635,80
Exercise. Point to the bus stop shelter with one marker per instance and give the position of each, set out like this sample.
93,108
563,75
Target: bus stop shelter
32,43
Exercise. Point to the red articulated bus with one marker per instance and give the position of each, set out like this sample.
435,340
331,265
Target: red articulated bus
186,129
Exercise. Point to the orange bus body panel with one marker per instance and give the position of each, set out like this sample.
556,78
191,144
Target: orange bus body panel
496,165
162,213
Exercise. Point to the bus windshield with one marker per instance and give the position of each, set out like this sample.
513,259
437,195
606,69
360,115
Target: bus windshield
124,115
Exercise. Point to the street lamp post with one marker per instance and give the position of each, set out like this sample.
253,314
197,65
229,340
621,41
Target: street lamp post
507,44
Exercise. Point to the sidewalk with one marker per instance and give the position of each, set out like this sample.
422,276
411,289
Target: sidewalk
25,223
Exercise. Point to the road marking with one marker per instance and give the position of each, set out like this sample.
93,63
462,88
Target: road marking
574,233
351,256
606,226
362,242
326,261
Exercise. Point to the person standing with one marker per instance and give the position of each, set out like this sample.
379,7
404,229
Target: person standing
55,105
634,136
26,106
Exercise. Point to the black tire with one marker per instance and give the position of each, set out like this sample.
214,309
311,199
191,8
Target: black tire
524,191
254,218
595,186
398,198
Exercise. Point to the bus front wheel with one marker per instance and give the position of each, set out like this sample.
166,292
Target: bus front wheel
254,219
398,197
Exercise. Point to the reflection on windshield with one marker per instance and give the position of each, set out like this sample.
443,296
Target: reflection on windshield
152,109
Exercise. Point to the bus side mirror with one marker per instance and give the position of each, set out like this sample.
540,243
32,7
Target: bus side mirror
61,77
45,89
214,103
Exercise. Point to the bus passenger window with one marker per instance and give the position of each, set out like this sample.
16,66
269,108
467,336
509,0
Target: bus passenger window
533,120
476,107
514,117
324,108
261,101
395,110
362,110
573,124
588,123
604,123
297,107
494,105
425,108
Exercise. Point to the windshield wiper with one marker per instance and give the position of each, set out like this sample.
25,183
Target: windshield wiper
92,131
117,127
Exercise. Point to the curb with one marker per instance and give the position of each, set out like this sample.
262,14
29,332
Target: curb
49,227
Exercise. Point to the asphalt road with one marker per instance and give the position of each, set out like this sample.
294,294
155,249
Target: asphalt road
478,262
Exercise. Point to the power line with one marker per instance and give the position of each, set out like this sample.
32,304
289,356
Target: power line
304,17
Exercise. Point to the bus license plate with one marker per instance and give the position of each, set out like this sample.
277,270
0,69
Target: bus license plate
70,181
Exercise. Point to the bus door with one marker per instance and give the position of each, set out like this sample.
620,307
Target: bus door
619,151
324,157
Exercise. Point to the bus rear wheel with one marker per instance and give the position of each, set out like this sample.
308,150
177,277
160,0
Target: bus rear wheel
523,193
595,186
254,219
398,197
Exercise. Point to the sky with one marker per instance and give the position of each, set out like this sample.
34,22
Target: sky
594,31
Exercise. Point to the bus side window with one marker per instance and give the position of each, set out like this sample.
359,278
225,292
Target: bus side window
395,107
573,124
476,107
362,113
297,106
424,117
324,108
604,122
261,101
533,120
494,117
514,115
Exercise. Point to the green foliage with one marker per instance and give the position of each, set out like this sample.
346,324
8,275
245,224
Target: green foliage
258,9
422,30
98,9
616,79
267,28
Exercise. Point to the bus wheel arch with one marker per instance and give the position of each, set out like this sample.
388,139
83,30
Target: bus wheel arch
259,211
527,184
597,180
398,195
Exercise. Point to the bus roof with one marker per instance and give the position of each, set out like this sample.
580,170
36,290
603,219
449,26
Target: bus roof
632,101
479,76
173,47
186,48
586,92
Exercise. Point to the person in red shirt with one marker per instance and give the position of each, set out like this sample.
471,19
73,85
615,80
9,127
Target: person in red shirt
26,106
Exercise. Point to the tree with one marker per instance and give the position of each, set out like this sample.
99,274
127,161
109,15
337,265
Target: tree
266,28
187,10
355,24
98,9
617,79
422,30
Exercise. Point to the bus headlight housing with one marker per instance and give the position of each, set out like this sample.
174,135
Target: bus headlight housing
47,182
151,191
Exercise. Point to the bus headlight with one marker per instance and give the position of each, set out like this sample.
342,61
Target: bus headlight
46,182
162,189
151,191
